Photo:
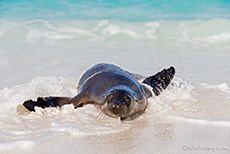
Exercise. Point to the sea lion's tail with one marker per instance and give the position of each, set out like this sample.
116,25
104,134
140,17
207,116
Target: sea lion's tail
161,80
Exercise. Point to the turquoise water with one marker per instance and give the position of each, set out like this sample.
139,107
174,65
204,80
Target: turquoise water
135,10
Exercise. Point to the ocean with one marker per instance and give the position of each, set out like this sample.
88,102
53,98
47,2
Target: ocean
45,47
131,11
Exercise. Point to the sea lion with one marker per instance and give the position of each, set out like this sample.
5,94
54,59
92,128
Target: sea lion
116,92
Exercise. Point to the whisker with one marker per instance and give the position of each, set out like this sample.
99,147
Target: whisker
101,115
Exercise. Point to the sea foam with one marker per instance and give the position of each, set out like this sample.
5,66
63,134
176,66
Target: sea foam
181,101
191,33
22,131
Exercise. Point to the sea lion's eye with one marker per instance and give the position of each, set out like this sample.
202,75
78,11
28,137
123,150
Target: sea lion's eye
127,100
108,98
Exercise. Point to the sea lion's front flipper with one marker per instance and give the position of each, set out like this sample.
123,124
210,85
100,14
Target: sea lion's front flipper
79,100
44,102
160,80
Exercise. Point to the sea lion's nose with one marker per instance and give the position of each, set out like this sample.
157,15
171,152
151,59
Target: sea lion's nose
117,107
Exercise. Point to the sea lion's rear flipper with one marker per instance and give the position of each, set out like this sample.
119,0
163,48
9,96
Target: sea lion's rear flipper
45,102
161,80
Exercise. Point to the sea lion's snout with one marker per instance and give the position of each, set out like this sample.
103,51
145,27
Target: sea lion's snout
118,102
117,107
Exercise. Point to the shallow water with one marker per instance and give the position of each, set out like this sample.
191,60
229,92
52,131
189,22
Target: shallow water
68,47
44,49
182,103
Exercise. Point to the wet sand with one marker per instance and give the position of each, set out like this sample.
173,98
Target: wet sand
146,135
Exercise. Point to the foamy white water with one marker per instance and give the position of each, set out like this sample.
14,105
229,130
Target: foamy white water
20,131
182,102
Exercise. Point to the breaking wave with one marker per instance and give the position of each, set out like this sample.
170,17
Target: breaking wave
196,34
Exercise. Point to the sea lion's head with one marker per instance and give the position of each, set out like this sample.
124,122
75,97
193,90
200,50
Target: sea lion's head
119,103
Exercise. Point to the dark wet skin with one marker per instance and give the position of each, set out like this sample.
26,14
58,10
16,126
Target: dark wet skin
115,93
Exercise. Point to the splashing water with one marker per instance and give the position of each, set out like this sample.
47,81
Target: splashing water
182,101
